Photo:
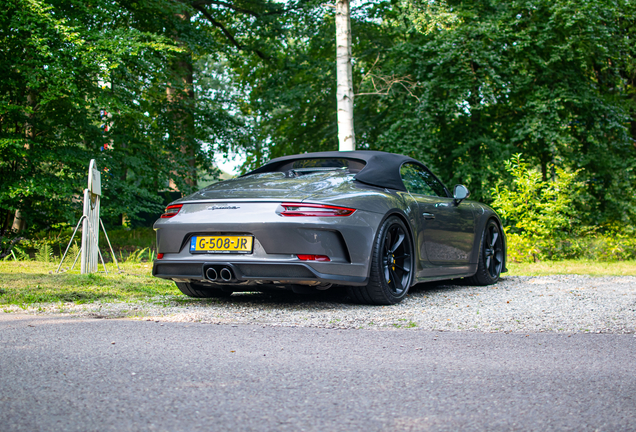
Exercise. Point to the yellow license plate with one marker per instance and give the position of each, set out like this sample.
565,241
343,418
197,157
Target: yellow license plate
221,244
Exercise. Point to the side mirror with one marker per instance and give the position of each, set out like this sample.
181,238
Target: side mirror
460,193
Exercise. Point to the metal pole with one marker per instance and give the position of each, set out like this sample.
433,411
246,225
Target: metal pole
102,258
76,257
69,245
111,248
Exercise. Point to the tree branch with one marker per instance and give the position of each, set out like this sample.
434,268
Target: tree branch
198,3
382,84
226,32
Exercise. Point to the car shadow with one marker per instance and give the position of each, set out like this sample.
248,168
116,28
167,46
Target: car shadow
328,298
438,287
335,297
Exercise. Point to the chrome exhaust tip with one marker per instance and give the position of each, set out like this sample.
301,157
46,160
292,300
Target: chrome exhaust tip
211,274
225,274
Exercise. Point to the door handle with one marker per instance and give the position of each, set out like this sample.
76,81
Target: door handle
428,215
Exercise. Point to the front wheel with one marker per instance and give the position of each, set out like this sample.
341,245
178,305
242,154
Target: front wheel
491,256
391,266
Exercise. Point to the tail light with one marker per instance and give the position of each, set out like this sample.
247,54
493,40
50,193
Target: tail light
303,257
318,210
171,211
159,256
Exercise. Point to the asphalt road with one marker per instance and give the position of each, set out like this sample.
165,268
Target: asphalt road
61,374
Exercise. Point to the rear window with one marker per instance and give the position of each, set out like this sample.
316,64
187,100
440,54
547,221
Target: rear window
323,164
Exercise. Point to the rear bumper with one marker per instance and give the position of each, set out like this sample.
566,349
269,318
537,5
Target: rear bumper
345,240
255,271
277,242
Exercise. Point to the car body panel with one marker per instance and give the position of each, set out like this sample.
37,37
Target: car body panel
446,247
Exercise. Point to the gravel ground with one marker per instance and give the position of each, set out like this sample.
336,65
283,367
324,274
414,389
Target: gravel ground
569,304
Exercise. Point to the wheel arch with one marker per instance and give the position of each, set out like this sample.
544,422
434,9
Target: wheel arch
405,220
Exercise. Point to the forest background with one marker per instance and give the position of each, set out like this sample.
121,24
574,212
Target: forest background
531,104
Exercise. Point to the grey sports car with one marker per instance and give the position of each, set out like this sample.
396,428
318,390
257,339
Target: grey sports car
376,223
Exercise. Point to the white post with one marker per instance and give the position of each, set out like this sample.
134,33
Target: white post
90,226
344,88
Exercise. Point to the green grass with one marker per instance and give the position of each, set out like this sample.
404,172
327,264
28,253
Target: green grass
26,283
578,267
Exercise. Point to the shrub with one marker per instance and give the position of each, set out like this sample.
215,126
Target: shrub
44,253
599,247
534,208
541,224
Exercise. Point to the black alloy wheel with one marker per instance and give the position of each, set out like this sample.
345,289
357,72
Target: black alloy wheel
396,259
493,251
391,267
491,257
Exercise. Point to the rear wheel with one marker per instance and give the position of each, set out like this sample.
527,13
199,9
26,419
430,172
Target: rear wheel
201,291
391,266
491,256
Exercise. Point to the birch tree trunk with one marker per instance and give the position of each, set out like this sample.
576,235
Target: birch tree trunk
344,88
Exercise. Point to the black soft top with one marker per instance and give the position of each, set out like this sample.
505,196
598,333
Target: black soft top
381,169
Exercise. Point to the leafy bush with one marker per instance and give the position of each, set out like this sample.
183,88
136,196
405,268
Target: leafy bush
20,254
534,208
136,256
73,251
541,224
44,254
57,239
600,247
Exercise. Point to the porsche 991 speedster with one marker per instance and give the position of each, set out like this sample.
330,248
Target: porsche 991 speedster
374,223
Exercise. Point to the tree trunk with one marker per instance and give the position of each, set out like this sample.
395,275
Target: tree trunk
344,88
183,101
19,223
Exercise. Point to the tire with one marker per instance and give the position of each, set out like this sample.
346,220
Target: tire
391,266
491,256
201,291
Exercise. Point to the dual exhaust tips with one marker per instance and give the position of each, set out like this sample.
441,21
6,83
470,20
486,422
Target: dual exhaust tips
224,274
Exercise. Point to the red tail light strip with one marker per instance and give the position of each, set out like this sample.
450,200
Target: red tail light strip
303,257
171,211
316,210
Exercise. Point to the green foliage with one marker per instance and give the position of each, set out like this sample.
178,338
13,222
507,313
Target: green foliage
44,254
73,251
136,256
152,89
599,247
137,242
464,85
58,61
541,221
541,79
130,239
429,16
113,81
534,208
20,254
